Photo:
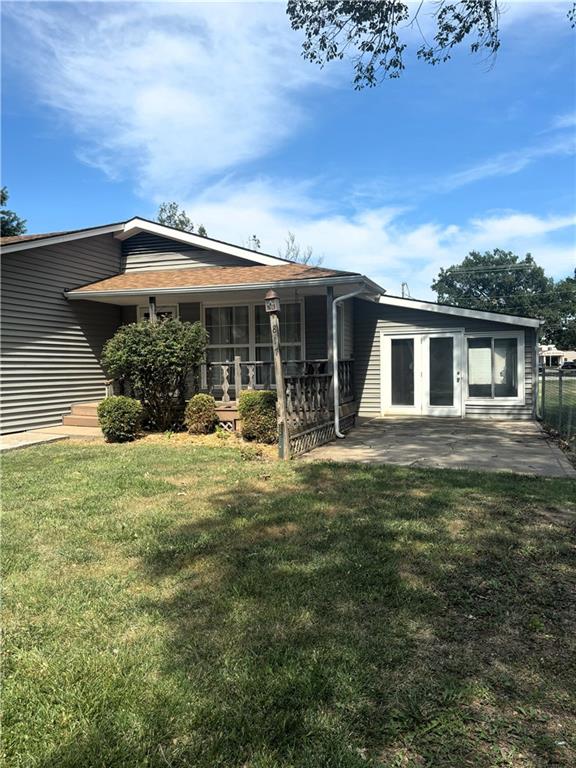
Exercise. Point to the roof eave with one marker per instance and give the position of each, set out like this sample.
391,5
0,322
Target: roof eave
135,225
447,309
307,282
64,238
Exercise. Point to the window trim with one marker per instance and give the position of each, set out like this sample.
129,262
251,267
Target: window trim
520,398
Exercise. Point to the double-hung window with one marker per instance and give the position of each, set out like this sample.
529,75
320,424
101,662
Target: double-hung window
228,335
290,338
494,366
244,331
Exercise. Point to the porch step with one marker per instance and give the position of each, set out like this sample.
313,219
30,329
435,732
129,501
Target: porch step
85,409
80,421
82,415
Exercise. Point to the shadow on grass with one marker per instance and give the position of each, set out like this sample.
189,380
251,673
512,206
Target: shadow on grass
351,615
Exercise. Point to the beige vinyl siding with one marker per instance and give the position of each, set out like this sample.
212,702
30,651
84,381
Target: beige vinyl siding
371,318
145,252
51,347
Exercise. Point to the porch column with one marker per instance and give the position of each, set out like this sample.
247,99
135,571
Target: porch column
152,309
330,343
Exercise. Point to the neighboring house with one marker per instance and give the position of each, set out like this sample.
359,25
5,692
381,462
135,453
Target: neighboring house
65,293
550,357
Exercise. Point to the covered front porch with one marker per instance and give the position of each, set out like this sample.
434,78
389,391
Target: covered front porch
316,347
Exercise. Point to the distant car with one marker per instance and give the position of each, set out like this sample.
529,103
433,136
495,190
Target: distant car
569,365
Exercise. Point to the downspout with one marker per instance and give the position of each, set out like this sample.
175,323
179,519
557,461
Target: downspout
335,303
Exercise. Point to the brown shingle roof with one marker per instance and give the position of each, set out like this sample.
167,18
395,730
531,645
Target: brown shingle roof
23,238
200,277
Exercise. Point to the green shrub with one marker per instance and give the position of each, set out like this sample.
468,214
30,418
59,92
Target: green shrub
200,416
258,413
120,418
154,360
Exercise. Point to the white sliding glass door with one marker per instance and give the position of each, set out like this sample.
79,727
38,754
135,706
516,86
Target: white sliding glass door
421,373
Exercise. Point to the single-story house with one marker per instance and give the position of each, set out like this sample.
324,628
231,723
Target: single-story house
550,357
65,293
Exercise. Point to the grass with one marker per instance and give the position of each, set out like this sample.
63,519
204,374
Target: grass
168,604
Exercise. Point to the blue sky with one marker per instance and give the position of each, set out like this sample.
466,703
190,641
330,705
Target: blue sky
110,108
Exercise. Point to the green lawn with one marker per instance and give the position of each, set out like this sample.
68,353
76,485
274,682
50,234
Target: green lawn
168,604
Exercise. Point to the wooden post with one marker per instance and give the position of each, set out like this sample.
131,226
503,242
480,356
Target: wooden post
237,377
272,304
152,309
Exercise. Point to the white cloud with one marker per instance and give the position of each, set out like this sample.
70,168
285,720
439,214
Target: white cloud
508,163
175,95
170,94
564,121
182,97
383,243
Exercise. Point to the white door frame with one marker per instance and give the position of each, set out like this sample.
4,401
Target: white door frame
421,405
457,409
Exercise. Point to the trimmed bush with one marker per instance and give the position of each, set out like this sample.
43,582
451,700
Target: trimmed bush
258,413
200,416
155,359
120,418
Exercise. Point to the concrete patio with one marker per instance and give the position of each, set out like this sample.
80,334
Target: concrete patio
498,446
16,440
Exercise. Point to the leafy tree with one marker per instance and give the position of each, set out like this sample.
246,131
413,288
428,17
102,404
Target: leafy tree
171,215
293,251
498,281
154,359
372,33
560,327
10,223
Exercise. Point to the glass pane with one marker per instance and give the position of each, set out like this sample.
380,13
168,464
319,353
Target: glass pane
227,325
240,330
402,371
480,367
290,331
505,367
262,326
442,371
290,325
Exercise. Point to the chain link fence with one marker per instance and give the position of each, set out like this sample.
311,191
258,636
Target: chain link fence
557,403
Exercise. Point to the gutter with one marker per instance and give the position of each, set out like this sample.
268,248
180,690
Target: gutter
305,282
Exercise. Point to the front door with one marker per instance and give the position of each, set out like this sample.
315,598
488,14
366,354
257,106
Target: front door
421,373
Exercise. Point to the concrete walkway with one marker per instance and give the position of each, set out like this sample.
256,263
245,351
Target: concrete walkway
48,435
498,446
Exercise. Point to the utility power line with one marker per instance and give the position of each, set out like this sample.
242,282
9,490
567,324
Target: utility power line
512,267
